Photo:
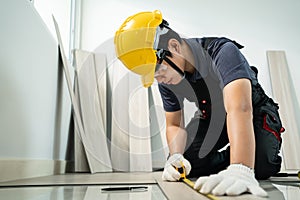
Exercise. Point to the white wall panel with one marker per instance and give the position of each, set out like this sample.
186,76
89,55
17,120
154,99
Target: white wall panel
120,141
139,125
94,136
284,94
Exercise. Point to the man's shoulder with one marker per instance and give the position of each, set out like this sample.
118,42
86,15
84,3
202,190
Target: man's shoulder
209,42
219,41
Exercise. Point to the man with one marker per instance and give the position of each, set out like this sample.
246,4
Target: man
232,106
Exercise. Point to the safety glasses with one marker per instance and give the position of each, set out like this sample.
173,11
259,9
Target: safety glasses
163,55
160,68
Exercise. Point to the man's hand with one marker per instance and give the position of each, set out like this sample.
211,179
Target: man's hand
170,173
235,180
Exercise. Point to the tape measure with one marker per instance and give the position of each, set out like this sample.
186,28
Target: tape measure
190,183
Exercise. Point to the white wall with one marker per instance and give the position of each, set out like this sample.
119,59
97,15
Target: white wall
61,11
30,110
258,25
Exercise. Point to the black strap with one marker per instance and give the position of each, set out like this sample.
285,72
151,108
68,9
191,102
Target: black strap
207,41
165,24
174,66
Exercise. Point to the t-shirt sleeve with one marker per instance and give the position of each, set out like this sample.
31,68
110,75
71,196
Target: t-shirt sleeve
230,64
171,102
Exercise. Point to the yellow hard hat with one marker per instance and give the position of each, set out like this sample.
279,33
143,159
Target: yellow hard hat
134,43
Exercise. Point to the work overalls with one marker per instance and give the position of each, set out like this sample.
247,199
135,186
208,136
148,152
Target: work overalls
267,129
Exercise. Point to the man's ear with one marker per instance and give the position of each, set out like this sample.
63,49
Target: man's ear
174,46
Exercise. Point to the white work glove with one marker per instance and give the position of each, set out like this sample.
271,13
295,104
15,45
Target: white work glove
175,160
235,180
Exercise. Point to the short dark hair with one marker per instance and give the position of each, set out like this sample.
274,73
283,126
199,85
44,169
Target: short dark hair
164,39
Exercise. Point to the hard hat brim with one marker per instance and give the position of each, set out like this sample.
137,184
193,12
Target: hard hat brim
148,79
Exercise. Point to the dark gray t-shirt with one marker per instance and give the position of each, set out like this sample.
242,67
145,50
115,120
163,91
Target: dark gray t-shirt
216,66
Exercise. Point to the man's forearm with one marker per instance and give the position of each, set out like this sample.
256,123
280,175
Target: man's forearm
241,138
176,138
238,106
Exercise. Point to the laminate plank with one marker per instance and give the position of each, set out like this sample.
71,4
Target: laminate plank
284,94
91,111
139,129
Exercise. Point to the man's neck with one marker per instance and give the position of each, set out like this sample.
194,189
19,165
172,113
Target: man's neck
189,57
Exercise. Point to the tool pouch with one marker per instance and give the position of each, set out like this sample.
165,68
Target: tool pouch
271,119
264,107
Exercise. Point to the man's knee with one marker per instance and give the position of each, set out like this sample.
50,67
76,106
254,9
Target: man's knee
267,158
211,164
267,166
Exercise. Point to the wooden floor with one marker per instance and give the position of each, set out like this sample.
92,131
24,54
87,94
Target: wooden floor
83,186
